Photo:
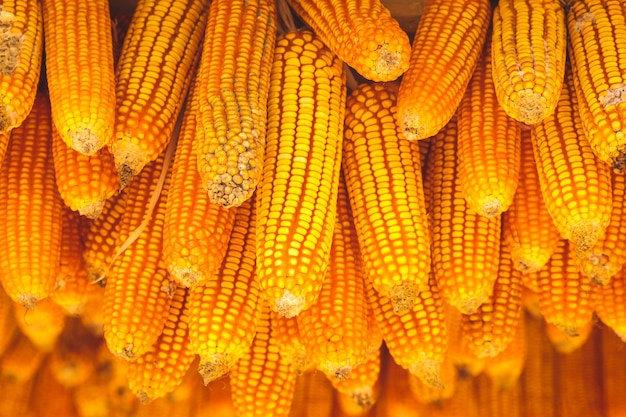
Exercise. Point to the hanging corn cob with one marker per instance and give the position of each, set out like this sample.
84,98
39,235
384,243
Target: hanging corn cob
42,324
464,359
506,367
449,38
600,75
233,85
80,73
427,394
297,195
384,179
489,144
21,37
575,184
292,348
567,343
73,359
31,209
361,386
160,50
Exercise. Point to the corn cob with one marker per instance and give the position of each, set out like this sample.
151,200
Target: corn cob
575,184
160,49
21,360
21,36
384,181
447,45
466,246
361,386
528,227
611,304
607,257
233,86
566,299
464,359
80,73
292,348
196,232
564,343
42,324
73,359
262,381
492,327
228,302
426,394
488,144
297,195
505,368
416,339
600,75
528,53
30,241
364,35
334,328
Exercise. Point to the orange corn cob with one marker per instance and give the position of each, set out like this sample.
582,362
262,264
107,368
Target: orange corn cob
505,368
42,324
564,343
21,34
223,312
566,298
575,184
233,85
384,179
292,348
30,241
528,227
334,328
21,360
196,232
449,38
465,246
297,195
600,75
74,356
528,52
611,304
80,73
262,381
361,386
488,144
364,35
159,52
426,394
464,359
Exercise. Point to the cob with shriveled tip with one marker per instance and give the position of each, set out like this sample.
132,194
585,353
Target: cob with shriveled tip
233,84
80,72
528,53
297,195
427,394
361,386
384,179
362,34
600,75
447,45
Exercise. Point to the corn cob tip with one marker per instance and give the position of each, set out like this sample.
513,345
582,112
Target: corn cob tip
488,350
403,296
340,372
598,272
143,397
532,107
412,125
92,210
569,330
491,207
289,305
363,397
389,61
621,335
129,160
468,303
29,301
230,191
525,265
584,235
185,275
428,371
126,353
213,367
10,43
85,141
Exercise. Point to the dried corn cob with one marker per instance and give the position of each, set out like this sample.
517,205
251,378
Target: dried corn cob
80,73
489,144
466,246
21,36
297,195
600,75
21,360
528,53
384,179
611,304
575,184
160,49
505,368
262,381
228,302
464,359
233,86
449,38
364,35
42,324
292,348
528,227
73,359
30,241
196,232
426,394
361,386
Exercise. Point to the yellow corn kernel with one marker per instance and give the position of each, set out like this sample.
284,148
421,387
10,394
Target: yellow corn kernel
449,38
384,179
292,348
196,232
505,368
575,184
363,34
21,360
361,386
528,53
334,329
528,227
611,304
262,381
31,208
600,75
426,394
80,73
42,324
74,356
160,50
566,343
233,85
566,298
223,312
21,37
488,144
297,196
465,246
